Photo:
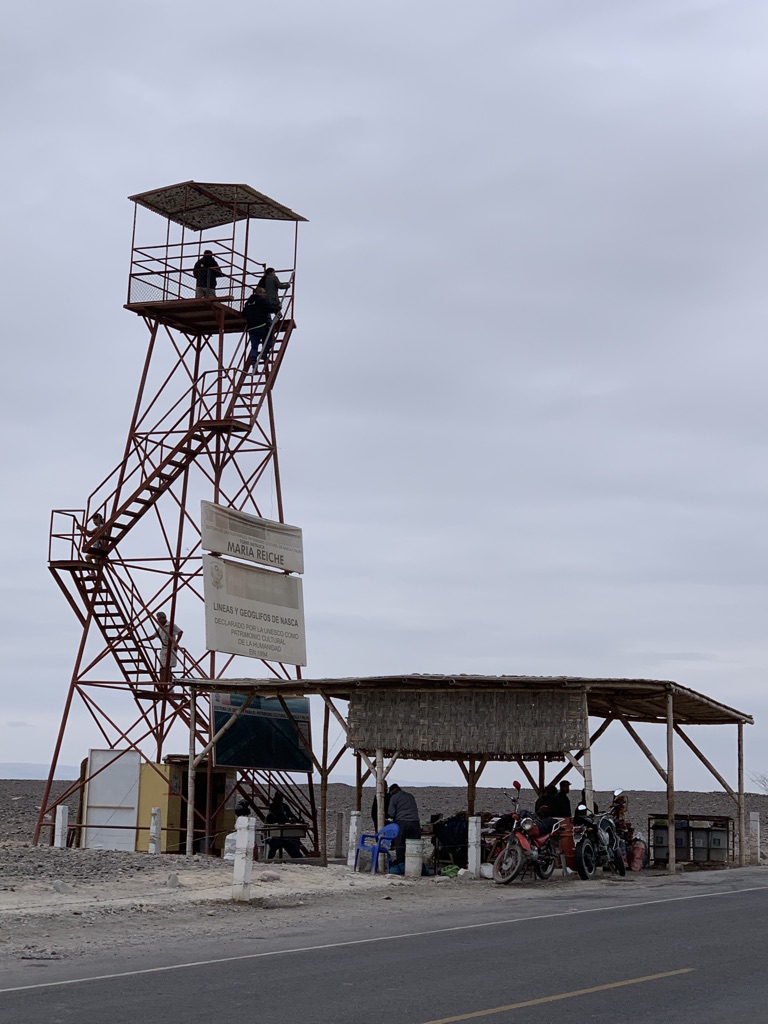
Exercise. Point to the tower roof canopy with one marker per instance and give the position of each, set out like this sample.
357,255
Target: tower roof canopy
199,205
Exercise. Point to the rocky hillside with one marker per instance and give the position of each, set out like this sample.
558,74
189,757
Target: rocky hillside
20,801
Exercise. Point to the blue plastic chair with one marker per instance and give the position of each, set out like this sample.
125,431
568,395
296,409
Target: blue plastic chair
376,843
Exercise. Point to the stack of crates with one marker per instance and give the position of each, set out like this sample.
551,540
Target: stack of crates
703,842
660,842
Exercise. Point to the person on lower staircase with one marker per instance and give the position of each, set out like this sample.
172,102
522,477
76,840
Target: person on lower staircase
169,634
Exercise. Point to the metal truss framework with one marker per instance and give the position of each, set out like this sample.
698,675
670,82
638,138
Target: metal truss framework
203,427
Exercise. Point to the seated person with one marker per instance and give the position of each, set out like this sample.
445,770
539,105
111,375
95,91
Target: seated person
280,813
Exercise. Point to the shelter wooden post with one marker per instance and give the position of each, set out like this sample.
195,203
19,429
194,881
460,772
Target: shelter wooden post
670,783
380,818
542,776
472,774
324,790
586,756
471,787
207,844
358,782
191,772
742,823
587,759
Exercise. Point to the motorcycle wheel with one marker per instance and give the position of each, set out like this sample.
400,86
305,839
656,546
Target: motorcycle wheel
508,864
586,860
545,866
618,863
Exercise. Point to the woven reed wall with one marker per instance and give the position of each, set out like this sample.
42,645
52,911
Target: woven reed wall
490,724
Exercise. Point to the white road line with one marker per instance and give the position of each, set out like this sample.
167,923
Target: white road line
375,939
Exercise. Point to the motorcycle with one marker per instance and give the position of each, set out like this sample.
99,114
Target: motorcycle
496,834
529,843
597,840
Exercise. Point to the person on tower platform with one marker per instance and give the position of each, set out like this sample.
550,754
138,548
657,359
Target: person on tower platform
258,320
207,272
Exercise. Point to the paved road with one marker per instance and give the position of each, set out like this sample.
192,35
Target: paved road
690,953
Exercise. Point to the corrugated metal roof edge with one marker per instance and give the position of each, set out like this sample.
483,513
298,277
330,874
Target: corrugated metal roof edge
140,197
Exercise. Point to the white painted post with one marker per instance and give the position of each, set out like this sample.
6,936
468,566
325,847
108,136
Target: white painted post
241,881
261,841
155,826
754,837
60,828
354,836
413,859
190,845
473,862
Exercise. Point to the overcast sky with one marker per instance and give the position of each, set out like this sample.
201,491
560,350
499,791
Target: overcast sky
523,420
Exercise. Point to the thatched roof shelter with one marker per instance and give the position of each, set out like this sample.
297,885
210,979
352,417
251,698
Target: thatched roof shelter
638,700
475,719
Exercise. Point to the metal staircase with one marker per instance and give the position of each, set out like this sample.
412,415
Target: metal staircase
226,403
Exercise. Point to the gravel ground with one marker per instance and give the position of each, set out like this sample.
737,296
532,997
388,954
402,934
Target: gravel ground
67,903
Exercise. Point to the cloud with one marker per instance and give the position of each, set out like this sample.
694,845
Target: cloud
522,420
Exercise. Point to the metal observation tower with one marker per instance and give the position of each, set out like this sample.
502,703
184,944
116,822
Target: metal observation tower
202,428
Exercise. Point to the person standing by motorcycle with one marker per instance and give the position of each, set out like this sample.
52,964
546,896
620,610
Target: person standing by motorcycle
546,802
562,803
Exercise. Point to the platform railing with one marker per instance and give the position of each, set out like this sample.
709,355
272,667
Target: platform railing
66,534
163,273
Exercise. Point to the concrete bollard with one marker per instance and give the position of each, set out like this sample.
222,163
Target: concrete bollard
155,830
474,852
60,828
753,838
241,880
413,859
354,836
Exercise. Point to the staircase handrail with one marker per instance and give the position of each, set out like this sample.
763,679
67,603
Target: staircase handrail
68,534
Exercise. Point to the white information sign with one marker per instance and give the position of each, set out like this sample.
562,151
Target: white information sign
229,532
253,612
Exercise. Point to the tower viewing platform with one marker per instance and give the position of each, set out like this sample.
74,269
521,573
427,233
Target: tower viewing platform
200,217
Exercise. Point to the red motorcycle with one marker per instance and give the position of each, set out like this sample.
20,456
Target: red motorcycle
531,843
